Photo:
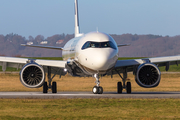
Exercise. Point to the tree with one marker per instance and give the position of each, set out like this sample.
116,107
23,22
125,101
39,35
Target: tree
39,38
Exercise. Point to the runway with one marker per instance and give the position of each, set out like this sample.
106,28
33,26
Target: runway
70,95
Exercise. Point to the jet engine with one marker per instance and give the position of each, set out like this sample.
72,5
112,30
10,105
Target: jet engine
32,75
148,75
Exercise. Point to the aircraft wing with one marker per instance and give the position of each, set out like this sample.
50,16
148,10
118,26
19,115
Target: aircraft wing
121,45
130,65
40,46
20,62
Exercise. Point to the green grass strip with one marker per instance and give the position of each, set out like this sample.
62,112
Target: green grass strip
108,109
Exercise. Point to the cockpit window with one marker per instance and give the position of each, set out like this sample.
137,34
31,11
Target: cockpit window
89,44
94,44
105,44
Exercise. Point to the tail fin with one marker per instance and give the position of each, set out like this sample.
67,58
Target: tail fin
76,20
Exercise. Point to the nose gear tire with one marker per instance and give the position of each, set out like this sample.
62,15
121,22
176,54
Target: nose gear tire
95,90
100,90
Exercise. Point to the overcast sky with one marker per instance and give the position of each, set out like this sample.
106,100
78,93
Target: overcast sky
50,17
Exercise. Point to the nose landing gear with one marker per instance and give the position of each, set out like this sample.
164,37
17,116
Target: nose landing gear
97,89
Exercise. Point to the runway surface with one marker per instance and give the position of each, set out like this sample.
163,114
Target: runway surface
59,95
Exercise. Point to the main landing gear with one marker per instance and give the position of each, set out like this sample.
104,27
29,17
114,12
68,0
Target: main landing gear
125,85
97,89
52,86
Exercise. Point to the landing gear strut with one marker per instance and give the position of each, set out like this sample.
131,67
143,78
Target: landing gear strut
97,89
125,85
52,86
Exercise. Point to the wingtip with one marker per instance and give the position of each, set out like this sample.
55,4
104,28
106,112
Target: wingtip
23,44
128,44
121,45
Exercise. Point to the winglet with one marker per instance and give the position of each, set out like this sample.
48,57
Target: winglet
77,34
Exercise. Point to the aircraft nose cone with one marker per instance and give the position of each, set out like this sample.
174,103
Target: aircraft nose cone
98,59
101,60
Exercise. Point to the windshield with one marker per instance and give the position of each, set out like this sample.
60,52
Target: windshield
90,44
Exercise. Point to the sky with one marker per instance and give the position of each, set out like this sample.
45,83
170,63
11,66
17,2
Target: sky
50,17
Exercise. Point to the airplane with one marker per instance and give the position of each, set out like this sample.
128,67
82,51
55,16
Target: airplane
93,54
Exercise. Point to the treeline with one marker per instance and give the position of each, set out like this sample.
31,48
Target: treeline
141,45
10,45
148,45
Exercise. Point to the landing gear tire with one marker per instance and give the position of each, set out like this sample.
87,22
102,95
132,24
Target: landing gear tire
54,87
128,88
119,87
45,87
95,90
100,91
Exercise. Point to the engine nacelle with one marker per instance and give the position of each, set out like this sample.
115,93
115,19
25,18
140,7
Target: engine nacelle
148,75
32,75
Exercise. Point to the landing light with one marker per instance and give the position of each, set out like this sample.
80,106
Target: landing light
65,70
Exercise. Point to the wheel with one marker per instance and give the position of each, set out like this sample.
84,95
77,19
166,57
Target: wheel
95,90
54,87
45,87
119,87
100,90
128,87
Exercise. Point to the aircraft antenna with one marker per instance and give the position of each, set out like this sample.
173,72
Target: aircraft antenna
97,29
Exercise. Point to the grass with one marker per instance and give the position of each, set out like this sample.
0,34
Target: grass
11,82
103,109
87,109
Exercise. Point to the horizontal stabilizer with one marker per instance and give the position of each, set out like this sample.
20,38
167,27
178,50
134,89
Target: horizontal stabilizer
121,45
39,46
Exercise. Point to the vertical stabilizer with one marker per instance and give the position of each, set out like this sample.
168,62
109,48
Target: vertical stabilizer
76,20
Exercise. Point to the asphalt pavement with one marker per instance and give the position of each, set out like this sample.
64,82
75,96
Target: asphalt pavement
59,95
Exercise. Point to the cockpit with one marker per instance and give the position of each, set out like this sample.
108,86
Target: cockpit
90,44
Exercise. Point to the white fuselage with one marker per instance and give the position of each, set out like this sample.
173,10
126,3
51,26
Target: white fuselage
98,58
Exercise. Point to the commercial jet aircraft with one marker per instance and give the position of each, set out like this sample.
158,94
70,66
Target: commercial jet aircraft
93,54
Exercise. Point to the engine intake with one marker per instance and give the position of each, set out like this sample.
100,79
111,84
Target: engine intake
148,75
32,75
